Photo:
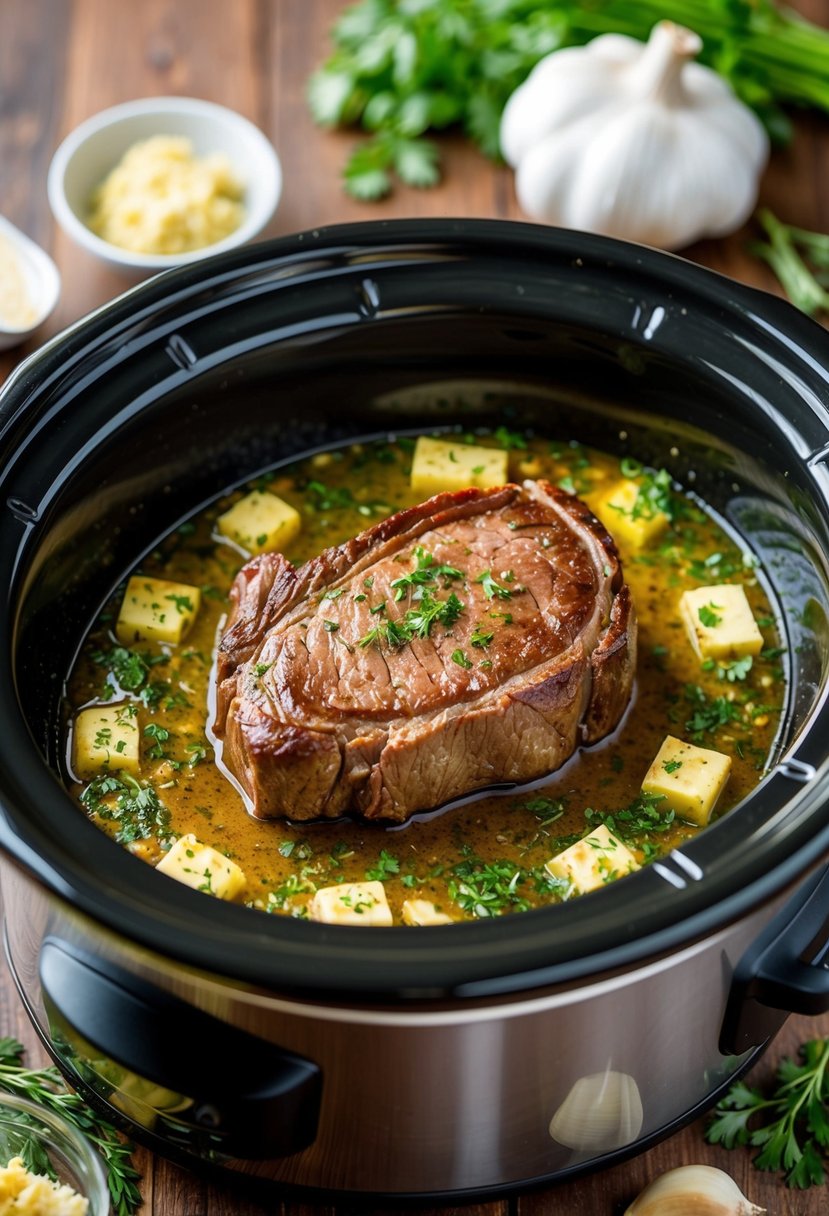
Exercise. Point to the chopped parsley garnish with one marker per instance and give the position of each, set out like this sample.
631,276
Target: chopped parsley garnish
387,865
492,588
196,753
671,766
511,440
183,603
736,670
709,615
488,888
425,571
338,498
136,808
417,623
459,657
641,817
129,668
159,736
327,498
709,713
481,637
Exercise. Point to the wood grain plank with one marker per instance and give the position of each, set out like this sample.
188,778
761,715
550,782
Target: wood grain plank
31,85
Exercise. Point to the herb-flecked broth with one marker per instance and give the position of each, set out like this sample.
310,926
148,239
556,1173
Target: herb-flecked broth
484,857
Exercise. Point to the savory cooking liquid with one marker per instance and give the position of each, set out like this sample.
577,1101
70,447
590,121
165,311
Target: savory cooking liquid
484,857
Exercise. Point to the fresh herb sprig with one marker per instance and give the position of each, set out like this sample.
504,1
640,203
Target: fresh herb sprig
791,1128
799,259
400,70
45,1087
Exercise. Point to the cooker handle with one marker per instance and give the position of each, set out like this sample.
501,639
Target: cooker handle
785,971
240,1095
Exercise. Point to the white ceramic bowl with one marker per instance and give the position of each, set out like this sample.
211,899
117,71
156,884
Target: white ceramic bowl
39,281
87,155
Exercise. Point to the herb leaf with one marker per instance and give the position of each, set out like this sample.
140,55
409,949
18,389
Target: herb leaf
45,1086
492,588
794,1132
417,623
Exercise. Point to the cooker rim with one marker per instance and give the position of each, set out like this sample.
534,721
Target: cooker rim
472,960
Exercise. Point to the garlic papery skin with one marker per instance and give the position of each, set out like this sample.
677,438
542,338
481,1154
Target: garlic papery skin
634,140
693,1190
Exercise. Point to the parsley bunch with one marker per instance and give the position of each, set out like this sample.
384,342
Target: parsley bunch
793,1128
45,1086
401,68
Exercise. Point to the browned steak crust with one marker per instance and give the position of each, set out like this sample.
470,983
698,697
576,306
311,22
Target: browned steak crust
323,709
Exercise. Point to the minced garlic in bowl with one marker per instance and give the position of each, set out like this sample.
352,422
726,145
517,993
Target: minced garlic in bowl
26,1194
163,199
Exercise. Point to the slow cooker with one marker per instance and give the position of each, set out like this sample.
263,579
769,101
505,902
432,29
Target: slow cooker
434,1061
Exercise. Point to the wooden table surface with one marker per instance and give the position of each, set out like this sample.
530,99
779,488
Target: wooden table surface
60,62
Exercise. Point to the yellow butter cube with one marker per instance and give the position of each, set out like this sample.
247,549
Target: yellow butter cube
593,861
260,522
719,622
423,912
351,903
105,738
445,464
155,609
622,514
689,778
204,868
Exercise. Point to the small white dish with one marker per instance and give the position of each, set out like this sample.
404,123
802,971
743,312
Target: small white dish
38,280
88,154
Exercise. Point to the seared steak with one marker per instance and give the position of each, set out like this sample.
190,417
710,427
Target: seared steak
474,639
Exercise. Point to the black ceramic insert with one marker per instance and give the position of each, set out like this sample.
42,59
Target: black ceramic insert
205,376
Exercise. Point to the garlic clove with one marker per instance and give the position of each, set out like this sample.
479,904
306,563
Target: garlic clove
601,1112
701,1190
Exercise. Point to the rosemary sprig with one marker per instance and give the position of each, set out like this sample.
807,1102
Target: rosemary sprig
45,1086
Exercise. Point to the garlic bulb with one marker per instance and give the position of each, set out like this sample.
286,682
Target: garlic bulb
698,1189
633,140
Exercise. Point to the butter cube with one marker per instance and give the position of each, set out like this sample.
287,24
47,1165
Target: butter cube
106,737
593,861
155,609
423,912
719,622
260,522
203,868
351,903
617,507
445,464
690,778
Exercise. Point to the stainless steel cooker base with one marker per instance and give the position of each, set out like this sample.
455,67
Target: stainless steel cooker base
469,1058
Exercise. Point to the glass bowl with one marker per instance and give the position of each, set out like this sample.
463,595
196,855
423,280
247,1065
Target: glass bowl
70,1156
